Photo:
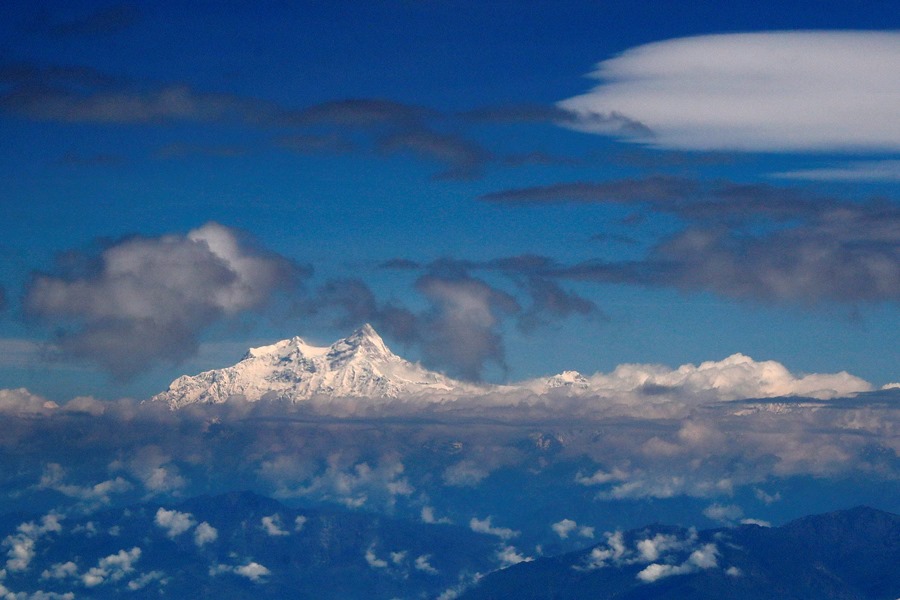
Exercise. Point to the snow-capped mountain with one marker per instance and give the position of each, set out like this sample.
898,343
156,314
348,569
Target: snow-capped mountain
360,365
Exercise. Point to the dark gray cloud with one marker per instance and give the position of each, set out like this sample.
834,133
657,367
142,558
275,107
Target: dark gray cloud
847,254
356,112
650,189
462,327
309,143
719,202
144,300
75,159
159,105
462,158
549,302
460,331
102,21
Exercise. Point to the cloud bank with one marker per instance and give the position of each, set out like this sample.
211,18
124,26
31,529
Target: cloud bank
772,91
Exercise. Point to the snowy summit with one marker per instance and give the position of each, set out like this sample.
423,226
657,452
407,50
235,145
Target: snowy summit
360,365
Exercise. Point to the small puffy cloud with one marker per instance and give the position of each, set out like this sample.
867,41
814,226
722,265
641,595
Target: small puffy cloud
253,571
427,516
484,526
705,557
752,91
60,571
422,564
757,522
372,559
465,473
600,477
145,579
22,402
272,525
724,513
564,528
143,300
175,523
112,568
765,497
21,544
205,534
299,522
509,556
398,558
97,494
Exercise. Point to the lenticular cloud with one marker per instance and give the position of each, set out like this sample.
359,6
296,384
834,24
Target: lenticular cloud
781,91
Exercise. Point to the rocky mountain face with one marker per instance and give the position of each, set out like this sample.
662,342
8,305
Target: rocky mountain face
360,365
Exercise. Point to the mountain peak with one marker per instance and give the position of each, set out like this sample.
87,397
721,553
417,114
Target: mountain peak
359,365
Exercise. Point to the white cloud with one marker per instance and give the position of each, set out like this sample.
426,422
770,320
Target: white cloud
724,513
600,477
272,525
427,516
22,402
205,534
372,559
21,545
765,497
484,526
781,91
508,556
299,522
423,563
735,377
252,571
112,568
145,579
757,522
705,557
60,571
564,528
175,523
99,493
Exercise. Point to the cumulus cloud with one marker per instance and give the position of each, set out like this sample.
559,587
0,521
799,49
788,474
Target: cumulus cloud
253,571
753,91
724,513
272,526
112,568
142,300
422,564
205,534
175,523
509,556
93,495
484,526
21,544
372,559
705,557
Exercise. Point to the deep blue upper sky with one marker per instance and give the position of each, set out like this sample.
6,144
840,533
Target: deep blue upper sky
406,163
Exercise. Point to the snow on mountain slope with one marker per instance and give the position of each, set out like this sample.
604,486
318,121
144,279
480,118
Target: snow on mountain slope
360,365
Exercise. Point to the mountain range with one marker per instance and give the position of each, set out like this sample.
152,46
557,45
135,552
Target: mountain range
362,366
240,544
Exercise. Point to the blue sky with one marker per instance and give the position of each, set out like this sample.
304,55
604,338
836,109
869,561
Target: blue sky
408,164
